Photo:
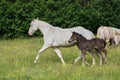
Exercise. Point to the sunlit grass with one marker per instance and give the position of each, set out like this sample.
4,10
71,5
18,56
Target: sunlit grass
17,63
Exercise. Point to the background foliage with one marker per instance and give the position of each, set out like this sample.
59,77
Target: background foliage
16,15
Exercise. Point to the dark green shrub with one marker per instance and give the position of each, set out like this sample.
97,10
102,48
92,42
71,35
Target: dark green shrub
16,15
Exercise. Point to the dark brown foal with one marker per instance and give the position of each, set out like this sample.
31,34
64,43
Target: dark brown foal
89,45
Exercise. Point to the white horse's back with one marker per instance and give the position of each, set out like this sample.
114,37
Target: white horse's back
85,32
61,36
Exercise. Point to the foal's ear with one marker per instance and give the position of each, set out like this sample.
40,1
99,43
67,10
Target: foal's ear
73,32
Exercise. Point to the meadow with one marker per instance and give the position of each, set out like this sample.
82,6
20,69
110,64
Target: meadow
17,63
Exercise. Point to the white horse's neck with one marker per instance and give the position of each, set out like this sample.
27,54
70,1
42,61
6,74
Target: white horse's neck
44,27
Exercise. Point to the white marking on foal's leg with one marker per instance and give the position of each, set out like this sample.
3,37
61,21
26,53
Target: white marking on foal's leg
40,51
59,54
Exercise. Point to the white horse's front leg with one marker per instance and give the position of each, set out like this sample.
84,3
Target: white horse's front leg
40,51
76,60
59,54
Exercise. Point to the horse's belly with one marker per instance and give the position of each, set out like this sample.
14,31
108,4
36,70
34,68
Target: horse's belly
63,44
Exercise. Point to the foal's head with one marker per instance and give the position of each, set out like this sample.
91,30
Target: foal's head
74,37
33,26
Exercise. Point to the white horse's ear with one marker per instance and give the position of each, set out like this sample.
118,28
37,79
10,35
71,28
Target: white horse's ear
36,18
33,18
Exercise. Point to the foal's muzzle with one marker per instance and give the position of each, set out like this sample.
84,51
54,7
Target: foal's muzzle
70,41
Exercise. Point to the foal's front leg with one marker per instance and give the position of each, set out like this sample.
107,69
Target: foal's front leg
83,58
78,58
100,56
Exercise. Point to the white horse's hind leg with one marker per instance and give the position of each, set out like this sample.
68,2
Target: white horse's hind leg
59,54
40,51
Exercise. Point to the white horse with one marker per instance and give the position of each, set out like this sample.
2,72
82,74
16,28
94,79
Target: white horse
108,33
105,33
117,39
56,37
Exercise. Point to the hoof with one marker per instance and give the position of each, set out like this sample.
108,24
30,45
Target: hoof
35,61
63,63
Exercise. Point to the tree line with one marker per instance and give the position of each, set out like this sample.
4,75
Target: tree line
16,15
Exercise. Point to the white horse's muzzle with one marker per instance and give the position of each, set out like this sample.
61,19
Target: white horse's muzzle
30,33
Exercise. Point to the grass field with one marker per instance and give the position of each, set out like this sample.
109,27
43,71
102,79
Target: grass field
17,63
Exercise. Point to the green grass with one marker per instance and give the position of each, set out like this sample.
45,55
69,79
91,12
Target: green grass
17,63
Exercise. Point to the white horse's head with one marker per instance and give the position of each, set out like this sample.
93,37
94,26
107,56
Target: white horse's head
33,26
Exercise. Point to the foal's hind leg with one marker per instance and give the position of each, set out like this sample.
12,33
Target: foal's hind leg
93,57
100,56
105,54
45,46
